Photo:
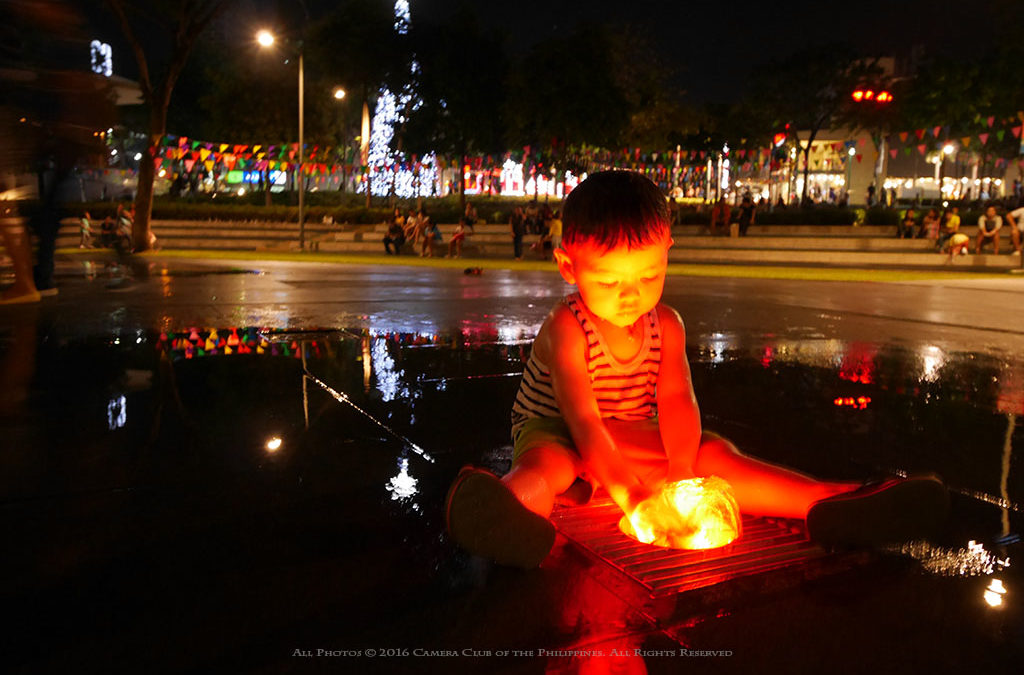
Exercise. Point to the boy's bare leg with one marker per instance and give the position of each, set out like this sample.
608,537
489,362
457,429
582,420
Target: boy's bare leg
762,488
539,475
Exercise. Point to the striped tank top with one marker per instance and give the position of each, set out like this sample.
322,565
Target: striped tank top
624,391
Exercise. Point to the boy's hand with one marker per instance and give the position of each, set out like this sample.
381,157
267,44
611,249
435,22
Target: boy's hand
656,519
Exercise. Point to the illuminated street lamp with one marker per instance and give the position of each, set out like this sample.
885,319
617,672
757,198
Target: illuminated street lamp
339,93
947,150
266,39
850,153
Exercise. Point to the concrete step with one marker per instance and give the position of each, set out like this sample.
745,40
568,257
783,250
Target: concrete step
835,243
843,258
848,246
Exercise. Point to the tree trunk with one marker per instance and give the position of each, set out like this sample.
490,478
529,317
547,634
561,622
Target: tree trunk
807,166
146,177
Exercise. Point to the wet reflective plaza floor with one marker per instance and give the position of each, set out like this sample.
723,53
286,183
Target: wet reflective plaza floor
176,496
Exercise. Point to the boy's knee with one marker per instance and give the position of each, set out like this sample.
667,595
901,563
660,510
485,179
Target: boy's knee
713,450
552,462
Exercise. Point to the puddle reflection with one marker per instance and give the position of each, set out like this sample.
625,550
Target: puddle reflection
360,430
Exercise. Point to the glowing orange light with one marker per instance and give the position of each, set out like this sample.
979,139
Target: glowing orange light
883,97
696,513
868,95
860,402
858,95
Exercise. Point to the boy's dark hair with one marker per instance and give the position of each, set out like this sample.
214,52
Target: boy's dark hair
610,208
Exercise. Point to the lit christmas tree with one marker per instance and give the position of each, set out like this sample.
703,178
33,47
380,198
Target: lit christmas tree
388,167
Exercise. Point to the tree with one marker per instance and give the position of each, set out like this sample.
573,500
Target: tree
808,90
565,93
160,65
459,92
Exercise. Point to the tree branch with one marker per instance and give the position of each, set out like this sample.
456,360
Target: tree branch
145,83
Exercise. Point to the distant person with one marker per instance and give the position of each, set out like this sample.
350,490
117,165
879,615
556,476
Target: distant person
720,217
395,237
517,228
747,214
956,244
988,230
409,228
951,225
414,228
459,236
85,231
431,234
554,231
930,225
1016,220
533,224
469,216
905,228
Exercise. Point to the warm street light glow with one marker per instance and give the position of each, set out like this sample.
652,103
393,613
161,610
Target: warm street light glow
858,95
339,93
948,149
265,38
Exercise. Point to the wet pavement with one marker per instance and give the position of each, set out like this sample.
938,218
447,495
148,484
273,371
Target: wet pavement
177,496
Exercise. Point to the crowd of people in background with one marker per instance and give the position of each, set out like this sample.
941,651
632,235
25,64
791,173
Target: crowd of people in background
944,228
536,228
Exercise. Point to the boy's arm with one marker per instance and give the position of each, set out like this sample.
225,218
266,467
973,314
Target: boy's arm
564,349
678,415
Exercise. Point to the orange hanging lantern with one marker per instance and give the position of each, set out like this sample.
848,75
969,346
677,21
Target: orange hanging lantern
696,513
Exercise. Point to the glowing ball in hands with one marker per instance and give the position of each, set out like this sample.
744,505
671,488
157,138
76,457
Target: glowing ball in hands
696,513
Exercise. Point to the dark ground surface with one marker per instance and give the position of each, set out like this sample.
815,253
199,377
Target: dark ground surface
147,527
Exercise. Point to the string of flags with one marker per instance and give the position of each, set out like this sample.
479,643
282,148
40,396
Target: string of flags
686,163
199,342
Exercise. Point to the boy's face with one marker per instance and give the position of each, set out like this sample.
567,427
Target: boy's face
618,285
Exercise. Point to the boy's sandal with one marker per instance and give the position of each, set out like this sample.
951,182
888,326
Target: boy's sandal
485,518
880,512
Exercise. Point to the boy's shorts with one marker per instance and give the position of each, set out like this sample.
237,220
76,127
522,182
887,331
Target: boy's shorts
539,431
548,431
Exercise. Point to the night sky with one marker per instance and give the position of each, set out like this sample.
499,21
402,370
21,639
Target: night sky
716,47
719,45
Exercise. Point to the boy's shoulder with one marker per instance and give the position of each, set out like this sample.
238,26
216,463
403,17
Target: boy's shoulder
560,330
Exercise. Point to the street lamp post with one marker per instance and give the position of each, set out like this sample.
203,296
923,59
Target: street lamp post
947,149
266,39
851,152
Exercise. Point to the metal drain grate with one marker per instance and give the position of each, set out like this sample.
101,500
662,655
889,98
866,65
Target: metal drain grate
765,545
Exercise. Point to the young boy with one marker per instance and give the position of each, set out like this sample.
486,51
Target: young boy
606,394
